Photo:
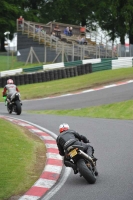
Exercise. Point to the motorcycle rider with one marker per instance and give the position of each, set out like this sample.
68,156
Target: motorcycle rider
70,137
11,88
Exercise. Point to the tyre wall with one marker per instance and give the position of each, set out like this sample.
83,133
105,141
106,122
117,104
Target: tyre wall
37,77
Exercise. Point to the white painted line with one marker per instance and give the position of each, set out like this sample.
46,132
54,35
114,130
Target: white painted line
109,86
64,95
85,91
29,197
131,81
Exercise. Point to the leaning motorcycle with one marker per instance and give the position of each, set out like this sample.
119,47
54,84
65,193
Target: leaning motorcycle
14,104
83,162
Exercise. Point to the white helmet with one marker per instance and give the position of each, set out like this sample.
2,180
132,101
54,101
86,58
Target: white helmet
63,127
9,81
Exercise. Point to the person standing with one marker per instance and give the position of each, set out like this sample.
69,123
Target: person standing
20,22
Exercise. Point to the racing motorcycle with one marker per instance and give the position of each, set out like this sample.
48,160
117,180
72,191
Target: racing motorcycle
84,164
14,104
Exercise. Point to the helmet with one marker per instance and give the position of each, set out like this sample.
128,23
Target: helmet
9,81
63,127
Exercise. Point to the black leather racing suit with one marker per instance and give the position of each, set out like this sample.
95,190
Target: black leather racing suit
69,137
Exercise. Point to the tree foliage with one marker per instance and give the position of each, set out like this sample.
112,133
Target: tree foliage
74,12
113,16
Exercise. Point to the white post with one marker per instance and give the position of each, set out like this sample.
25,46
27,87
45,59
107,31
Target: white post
112,49
7,33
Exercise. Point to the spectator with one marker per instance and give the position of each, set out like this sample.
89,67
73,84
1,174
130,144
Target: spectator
20,22
70,31
81,40
56,28
67,31
38,29
57,31
83,30
53,37
42,30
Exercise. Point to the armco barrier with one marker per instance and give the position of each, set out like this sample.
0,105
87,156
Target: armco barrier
73,63
98,60
122,63
50,75
33,69
102,66
53,66
108,59
11,72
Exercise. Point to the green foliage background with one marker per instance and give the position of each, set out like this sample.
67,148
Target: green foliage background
113,16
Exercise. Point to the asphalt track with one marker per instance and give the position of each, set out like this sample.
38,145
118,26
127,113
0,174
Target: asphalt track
112,140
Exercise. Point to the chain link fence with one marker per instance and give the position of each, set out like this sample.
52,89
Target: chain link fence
8,61
61,53
124,50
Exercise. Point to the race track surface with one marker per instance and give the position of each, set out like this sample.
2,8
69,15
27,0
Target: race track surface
112,140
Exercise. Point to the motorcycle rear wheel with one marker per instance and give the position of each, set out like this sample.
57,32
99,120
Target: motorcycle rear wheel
86,172
18,107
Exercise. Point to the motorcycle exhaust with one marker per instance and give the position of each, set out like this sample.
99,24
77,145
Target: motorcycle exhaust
84,155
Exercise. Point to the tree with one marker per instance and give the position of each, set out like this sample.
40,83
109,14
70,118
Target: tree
9,13
71,12
116,16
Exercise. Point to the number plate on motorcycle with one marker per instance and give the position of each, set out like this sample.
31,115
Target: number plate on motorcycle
73,153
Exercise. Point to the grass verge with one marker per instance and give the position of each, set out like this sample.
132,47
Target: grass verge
122,110
22,159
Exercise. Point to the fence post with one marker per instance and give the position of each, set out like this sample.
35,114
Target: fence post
96,50
130,50
45,53
106,48
62,52
73,52
112,48
81,52
99,50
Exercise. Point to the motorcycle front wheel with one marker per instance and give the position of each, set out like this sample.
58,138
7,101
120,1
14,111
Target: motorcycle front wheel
86,172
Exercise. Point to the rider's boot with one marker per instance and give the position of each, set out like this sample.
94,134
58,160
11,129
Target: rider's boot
95,168
72,165
5,103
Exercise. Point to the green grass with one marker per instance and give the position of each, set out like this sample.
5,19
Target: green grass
122,110
9,62
18,159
